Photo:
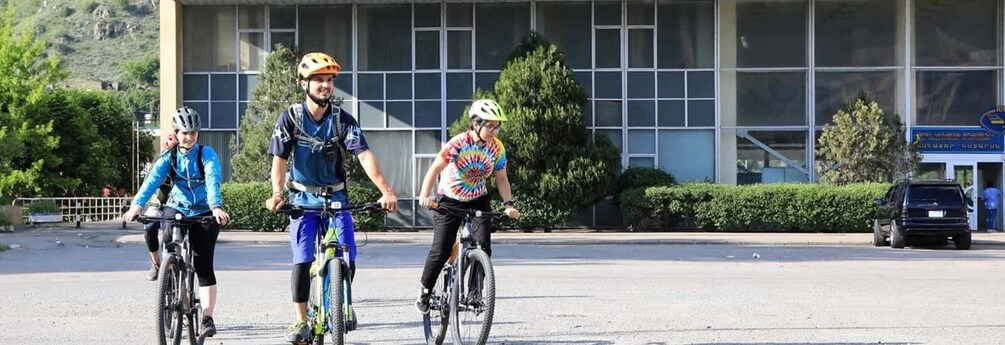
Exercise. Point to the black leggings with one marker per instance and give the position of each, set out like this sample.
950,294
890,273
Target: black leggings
301,280
202,238
445,226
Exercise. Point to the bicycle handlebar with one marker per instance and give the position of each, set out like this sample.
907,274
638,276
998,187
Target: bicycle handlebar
178,219
334,206
469,212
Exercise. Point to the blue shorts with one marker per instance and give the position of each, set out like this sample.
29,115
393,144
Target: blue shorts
304,231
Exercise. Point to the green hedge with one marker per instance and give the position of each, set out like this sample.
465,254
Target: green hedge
770,207
245,202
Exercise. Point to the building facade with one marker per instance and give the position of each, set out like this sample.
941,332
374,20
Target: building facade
730,91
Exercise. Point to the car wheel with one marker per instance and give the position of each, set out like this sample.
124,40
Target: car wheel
878,239
897,240
962,242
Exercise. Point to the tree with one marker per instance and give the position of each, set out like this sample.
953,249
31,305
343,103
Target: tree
555,165
115,123
863,145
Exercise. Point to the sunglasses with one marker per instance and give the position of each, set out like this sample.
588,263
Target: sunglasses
493,128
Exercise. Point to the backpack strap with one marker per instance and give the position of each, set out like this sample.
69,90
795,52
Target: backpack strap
173,174
296,114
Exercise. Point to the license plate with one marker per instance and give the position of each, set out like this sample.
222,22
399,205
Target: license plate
936,214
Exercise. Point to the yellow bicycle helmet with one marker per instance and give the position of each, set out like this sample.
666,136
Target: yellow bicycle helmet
317,63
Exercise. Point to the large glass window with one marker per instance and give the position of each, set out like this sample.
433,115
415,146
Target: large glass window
567,25
770,156
696,163
853,33
209,37
328,28
957,33
385,37
835,89
685,34
955,98
499,28
770,33
771,99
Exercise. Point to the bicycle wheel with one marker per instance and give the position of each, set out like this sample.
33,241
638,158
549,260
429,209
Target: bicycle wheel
336,299
475,296
439,309
169,315
314,309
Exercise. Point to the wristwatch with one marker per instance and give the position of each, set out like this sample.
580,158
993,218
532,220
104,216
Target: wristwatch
508,203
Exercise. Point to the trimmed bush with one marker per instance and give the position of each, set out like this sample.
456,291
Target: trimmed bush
43,207
245,202
639,177
772,207
4,220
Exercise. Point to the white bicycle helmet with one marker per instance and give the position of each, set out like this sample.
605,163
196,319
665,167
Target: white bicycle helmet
186,119
486,109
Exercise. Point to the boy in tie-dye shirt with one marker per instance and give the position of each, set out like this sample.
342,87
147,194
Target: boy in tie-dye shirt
464,166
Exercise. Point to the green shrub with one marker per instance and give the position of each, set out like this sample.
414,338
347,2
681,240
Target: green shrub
639,177
4,220
43,207
245,202
774,207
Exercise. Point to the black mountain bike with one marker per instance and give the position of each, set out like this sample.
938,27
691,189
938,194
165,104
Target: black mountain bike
177,297
464,297
329,305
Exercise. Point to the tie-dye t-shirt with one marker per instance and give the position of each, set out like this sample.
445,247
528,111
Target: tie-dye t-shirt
469,166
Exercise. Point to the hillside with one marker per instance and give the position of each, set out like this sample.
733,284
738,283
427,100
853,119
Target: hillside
93,38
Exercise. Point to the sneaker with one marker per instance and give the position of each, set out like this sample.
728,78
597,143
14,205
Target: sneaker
474,300
422,302
153,272
298,332
208,327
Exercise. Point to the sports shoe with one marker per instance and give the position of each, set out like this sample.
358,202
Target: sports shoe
208,327
422,302
298,332
153,272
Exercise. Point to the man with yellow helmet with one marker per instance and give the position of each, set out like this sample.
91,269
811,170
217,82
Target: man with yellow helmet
312,135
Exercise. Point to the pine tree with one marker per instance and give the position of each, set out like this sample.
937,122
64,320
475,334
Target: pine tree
863,145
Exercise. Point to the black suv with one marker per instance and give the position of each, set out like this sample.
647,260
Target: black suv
914,209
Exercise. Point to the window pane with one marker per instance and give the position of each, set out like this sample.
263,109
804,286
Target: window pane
390,147
608,85
427,15
247,85
852,33
195,87
644,162
459,49
641,85
282,17
502,24
250,17
608,13
285,39
371,114
427,50
252,51
567,25
615,136
685,34
399,114
459,86
385,37
770,33
427,142
836,89
640,48
671,84
224,87
608,113
584,80
343,86
459,14
335,22
399,86
455,109
640,12
200,107
427,114
771,99
641,113
697,163
957,33
223,115
700,113
427,86
955,98
486,80
208,43
371,86
755,165
671,114
641,141
608,50
701,84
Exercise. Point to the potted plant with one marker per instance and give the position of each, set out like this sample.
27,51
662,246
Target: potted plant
44,211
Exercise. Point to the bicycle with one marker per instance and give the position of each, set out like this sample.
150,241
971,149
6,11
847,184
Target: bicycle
178,303
329,305
460,275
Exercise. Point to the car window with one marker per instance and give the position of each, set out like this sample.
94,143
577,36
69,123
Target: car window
889,194
942,195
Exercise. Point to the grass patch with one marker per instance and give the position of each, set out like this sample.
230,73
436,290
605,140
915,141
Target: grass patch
4,247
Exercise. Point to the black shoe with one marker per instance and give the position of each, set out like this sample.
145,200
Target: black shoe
422,302
298,332
474,300
208,327
153,272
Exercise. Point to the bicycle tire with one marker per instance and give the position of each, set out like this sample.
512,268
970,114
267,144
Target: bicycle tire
336,300
440,315
314,312
194,317
168,318
471,325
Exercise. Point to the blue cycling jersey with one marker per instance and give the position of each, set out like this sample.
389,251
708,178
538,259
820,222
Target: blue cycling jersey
192,194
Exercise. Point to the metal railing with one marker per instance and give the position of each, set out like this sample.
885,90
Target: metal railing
81,209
